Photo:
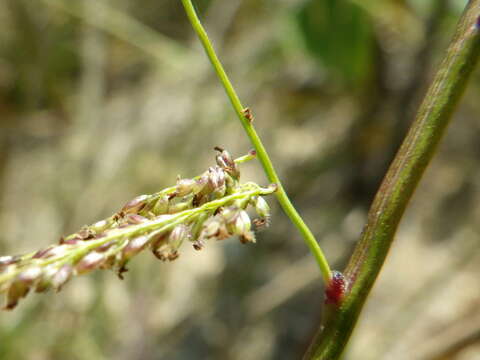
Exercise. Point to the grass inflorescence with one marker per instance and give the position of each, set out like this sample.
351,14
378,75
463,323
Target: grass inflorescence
211,206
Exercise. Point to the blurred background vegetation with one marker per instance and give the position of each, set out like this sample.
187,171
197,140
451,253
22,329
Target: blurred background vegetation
102,100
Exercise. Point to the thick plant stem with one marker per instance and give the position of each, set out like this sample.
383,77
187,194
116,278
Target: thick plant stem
247,122
399,184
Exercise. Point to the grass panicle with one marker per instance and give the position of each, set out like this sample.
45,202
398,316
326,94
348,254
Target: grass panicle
212,206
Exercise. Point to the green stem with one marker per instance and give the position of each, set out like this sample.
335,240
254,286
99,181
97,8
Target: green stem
257,143
399,184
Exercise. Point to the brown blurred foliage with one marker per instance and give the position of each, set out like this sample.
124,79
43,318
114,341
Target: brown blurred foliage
101,100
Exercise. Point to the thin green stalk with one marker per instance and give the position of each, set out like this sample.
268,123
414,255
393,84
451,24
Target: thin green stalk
262,154
399,184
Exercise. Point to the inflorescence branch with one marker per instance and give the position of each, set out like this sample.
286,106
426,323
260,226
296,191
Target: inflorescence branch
211,206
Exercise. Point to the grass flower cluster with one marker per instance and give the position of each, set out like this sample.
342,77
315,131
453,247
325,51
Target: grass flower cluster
211,206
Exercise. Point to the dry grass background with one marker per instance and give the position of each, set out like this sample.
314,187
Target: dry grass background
104,100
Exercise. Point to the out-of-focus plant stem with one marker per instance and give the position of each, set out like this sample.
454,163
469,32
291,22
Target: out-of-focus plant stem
126,28
247,123
399,184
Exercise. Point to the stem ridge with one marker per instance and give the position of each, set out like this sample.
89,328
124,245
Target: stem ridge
400,182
